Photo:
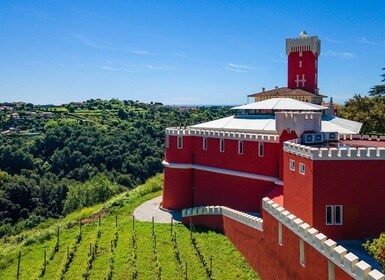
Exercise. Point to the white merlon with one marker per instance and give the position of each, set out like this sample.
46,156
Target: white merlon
244,218
376,275
255,137
335,253
341,153
303,44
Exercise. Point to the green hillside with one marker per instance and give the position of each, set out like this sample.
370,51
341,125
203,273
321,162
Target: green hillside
120,248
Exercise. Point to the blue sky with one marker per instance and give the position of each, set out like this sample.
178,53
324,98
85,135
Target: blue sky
181,52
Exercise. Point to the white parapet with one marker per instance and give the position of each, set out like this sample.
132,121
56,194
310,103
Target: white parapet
239,216
342,153
255,137
335,253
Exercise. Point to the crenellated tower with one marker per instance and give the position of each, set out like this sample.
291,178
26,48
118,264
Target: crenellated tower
303,55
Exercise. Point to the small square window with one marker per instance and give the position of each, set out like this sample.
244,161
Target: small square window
222,145
260,149
240,147
329,214
300,54
302,168
338,214
180,142
292,165
205,143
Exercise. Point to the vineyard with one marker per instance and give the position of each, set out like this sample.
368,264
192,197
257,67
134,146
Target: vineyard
113,245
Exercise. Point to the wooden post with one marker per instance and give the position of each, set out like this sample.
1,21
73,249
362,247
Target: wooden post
133,222
68,252
153,226
112,249
80,229
116,221
58,239
99,221
186,272
171,225
211,266
90,249
45,259
18,265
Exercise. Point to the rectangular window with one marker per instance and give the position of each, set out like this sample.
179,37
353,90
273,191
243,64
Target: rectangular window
167,141
240,147
338,214
302,168
222,145
260,149
205,143
292,165
329,214
300,54
301,252
280,233
300,64
180,142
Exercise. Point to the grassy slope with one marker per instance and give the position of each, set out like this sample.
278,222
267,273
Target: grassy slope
227,262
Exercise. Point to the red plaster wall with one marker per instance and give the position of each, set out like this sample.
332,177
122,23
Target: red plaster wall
236,192
357,185
249,161
265,255
175,155
177,189
298,188
308,68
285,136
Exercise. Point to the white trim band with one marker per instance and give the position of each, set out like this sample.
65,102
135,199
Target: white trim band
274,180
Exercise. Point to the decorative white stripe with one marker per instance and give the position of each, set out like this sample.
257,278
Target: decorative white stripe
326,247
274,180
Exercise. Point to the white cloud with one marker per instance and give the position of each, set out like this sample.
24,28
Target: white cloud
235,70
339,54
31,12
281,59
141,52
239,68
363,40
178,54
333,41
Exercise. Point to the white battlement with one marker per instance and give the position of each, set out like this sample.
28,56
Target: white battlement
303,44
340,153
244,218
361,137
335,253
181,131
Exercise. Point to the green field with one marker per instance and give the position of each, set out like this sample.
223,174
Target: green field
126,250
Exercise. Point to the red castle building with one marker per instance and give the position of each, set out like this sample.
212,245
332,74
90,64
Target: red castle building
283,178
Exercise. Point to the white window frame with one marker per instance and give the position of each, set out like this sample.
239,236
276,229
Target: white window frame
261,149
179,142
204,143
302,168
335,215
167,141
331,215
240,147
292,165
222,145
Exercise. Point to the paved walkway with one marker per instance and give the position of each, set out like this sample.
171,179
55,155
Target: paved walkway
150,209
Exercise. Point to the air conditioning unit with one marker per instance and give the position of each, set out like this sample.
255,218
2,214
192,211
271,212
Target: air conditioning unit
308,138
331,136
319,137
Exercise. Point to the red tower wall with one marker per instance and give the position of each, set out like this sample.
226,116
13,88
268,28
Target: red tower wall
356,185
309,69
298,188
177,189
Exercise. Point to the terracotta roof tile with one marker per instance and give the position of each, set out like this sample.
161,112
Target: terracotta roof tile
284,92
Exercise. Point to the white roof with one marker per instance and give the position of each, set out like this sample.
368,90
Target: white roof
266,124
281,104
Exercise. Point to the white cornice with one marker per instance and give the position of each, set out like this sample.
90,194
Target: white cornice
274,180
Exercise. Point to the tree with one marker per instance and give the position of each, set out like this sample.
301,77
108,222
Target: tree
378,90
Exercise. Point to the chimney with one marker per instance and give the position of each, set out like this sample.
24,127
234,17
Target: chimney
263,89
276,87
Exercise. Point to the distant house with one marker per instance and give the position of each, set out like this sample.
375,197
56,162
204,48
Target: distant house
46,115
77,104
